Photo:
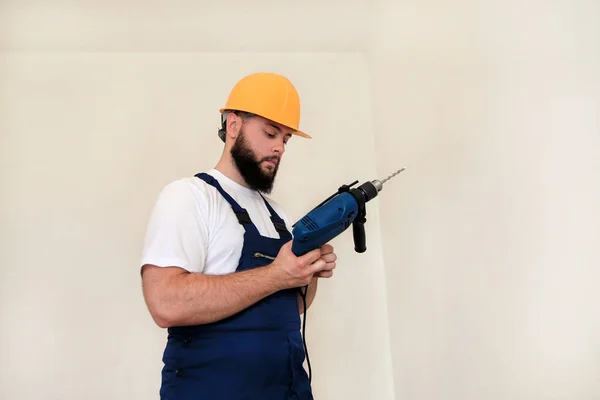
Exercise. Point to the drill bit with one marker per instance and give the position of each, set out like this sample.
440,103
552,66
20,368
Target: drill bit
392,175
379,184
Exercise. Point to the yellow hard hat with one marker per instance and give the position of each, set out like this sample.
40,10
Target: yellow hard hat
269,95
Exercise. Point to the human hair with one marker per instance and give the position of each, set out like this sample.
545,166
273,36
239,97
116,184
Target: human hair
245,116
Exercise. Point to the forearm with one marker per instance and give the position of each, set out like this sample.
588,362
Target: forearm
191,299
311,291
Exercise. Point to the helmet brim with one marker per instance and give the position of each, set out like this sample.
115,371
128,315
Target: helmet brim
296,132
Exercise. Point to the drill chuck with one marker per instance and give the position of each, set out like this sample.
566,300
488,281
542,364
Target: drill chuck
367,191
378,185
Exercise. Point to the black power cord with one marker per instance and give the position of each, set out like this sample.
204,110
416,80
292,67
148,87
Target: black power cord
303,294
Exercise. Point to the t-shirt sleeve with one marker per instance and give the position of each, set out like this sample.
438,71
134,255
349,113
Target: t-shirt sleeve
177,233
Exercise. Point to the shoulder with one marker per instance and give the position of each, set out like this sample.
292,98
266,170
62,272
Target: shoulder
179,228
185,190
185,200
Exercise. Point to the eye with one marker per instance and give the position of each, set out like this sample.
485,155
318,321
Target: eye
270,134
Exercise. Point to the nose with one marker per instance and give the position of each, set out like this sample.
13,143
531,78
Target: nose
279,147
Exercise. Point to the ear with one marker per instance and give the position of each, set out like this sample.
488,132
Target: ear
233,125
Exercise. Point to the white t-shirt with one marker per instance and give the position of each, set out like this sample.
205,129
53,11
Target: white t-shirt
193,227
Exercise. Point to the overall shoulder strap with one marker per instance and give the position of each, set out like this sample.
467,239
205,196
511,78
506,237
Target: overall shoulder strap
276,219
241,213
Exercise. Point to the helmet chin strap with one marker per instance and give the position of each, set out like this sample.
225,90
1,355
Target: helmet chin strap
224,117
221,132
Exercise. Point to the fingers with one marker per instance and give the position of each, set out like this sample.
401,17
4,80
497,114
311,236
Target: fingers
329,257
320,262
324,274
326,249
322,265
310,257
317,266
327,271
329,266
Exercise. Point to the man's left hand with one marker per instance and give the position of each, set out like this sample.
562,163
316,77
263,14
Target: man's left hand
327,255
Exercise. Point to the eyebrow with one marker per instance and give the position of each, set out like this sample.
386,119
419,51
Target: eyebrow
274,126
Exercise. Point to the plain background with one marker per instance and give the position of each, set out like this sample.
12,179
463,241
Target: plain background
482,270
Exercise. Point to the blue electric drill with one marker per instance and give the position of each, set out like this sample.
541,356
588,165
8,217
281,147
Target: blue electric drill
335,214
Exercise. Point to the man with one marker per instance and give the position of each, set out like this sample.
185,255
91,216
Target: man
217,265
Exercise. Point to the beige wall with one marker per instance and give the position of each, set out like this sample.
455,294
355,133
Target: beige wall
491,236
480,277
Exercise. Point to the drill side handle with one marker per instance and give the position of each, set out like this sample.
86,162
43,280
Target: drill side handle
358,231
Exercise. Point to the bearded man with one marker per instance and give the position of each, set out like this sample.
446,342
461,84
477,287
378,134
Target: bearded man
217,267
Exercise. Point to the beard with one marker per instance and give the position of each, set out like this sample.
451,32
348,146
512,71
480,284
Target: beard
249,166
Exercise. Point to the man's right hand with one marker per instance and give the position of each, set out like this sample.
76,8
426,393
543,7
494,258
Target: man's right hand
292,271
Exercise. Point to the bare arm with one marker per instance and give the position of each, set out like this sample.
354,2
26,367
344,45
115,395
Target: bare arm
176,297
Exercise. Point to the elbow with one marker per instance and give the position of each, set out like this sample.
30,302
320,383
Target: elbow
163,323
163,313
164,317
159,301
161,320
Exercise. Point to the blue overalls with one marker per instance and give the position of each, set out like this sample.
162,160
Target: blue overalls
256,354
